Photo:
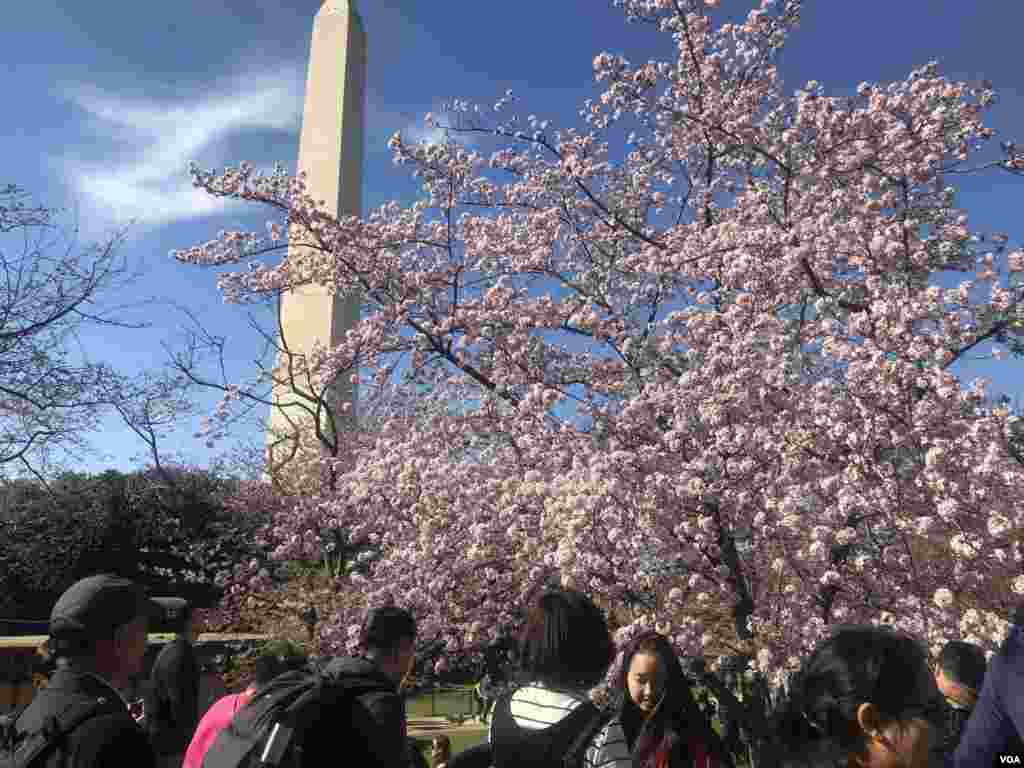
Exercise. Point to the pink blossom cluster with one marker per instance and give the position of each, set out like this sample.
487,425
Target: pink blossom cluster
255,575
709,368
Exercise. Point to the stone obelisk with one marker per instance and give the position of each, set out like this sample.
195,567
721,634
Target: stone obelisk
331,155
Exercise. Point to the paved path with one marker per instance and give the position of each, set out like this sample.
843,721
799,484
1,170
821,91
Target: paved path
421,727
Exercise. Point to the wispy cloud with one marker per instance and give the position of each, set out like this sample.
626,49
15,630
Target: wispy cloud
137,168
418,131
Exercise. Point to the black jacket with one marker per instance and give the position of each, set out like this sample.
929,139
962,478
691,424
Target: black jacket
996,724
955,717
105,741
172,702
390,742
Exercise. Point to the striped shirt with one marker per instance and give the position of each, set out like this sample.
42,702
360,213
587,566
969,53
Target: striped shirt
610,749
535,707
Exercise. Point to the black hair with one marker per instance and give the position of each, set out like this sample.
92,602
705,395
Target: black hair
678,721
964,663
565,643
818,724
386,627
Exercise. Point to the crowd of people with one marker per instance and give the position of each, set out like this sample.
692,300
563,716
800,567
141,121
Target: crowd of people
867,696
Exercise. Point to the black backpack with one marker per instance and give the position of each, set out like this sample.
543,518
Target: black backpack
271,729
29,750
592,719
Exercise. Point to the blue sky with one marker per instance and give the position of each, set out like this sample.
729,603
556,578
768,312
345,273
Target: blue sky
109,101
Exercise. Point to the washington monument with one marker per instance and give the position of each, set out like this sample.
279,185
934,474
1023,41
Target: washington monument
331,154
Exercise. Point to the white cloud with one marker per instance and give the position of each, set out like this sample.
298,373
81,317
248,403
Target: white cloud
146,145
417,131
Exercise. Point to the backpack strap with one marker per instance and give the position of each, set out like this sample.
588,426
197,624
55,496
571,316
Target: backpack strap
57,726
574,757
327,690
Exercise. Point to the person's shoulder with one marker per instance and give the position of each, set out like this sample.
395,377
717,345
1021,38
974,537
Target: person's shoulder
536,706
378,692
171,652
544,696
114,724
180,647
384,705
351,666
610,732
224,706
365,671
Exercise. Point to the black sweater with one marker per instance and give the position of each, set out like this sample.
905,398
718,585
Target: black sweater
172,704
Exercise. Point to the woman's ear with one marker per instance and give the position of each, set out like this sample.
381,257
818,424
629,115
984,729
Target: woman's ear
869,719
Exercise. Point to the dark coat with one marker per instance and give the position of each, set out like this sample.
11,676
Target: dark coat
390,743
955,719
996,725
172,702
105,741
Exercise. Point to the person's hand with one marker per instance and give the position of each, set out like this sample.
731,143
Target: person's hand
440,753
137,709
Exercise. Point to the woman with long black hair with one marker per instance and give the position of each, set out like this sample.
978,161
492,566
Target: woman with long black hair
659,724
549,720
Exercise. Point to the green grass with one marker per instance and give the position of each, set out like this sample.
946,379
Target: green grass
445,703
448,702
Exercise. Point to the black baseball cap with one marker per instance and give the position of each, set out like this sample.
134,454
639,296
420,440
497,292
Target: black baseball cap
96,606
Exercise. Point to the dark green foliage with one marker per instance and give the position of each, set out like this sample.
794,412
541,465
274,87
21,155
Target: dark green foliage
169,530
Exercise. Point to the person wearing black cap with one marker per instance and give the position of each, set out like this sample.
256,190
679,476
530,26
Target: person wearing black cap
959,674
98,640
172,701
389,652
994,734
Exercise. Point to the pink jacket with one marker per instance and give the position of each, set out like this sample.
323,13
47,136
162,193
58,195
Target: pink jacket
216,719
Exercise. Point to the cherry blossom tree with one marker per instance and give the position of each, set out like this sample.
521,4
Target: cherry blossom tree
696,352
